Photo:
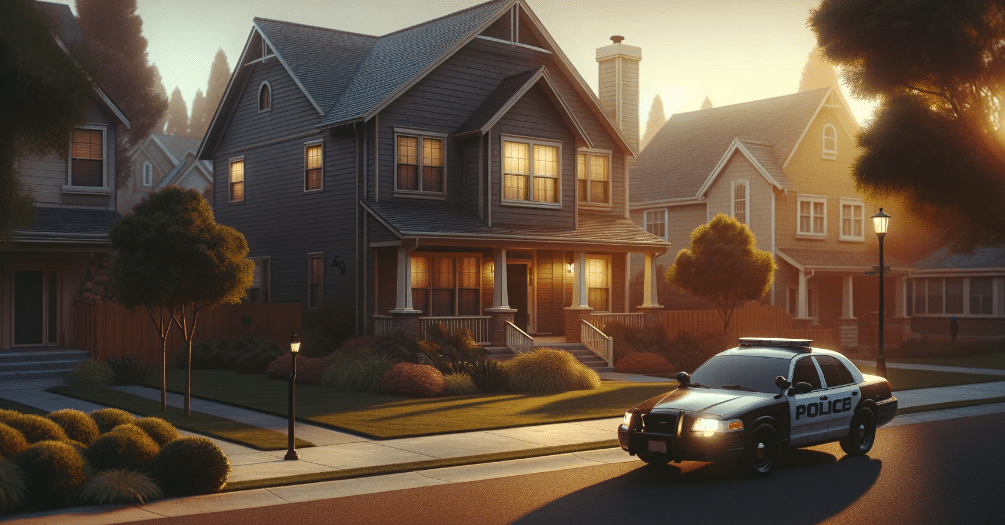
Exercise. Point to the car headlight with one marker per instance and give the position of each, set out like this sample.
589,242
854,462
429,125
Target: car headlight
707,427
628,420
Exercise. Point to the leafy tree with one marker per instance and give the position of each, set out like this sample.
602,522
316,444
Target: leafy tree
113,38
45,94
657,118
938,71
177,115
723,266
817,73
172,258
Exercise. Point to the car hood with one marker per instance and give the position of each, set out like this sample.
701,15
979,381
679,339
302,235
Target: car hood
714,402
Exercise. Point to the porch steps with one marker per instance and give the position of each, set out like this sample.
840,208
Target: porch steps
580,352
39,363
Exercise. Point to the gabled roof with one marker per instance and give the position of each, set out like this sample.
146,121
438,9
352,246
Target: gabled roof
761,155
174,146
184,167
833,260
683,155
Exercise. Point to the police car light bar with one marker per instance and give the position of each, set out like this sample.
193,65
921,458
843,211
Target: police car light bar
803,344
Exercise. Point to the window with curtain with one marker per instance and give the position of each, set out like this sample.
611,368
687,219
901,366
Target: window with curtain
87,163
446,285
598,283
420,164
313,167
237,180
593,178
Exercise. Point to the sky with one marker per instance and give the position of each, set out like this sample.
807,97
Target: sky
730,51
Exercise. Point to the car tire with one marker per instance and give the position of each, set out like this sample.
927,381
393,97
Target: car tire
654,459
761,451
861,435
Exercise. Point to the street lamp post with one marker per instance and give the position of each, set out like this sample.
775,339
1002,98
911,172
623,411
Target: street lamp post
880,223
291,453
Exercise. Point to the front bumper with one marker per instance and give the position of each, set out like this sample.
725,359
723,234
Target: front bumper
688,446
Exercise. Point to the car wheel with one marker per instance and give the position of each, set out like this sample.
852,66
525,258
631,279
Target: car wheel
861,435
761,451
654,459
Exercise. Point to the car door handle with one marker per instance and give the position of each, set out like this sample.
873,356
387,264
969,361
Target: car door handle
854,393
823,398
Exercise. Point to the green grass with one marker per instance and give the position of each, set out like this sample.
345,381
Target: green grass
204,424
905,379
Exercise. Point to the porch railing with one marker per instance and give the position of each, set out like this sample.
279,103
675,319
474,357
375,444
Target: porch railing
633,320
517,340
480,326
598,342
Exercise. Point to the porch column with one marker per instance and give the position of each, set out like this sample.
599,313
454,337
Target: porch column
847,298
404,318
580,308
650,306
847,324
500,311
900,297
803,310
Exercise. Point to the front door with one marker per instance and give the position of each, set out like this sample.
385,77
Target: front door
36,307
516,281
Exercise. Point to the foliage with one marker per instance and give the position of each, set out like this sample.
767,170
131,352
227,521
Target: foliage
125,447
204,109
628,339
356,372
489,375
818,73
723,265
54,474
13,489
689,352
120,486
654,122
413,380
191,465
325,329
310,370
936,68
34,428
177,115
78,426
643,363
549,370
12,441
355,345
92,372
97,283
459,384
401,346
129,370
109,418
246,355
159,430
444,348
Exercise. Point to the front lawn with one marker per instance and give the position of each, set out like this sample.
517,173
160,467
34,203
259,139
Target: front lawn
906,379
990,360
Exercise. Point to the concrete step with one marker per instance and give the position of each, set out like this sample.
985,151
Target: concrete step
581,353
39,363
42,354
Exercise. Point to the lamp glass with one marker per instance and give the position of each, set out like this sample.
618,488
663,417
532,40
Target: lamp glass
880,222
294,343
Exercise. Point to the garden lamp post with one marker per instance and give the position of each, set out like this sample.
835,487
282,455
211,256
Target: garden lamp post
294,350
880,223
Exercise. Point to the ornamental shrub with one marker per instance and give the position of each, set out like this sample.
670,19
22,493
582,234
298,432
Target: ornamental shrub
109,418
12,441
549,370
643,363
120,486
13,487
37,428
356,372
191,465
128,370
413,380
459,384
357,345
54,474
78,426
125,447
310,370
90,373
159,430
489,375
689,351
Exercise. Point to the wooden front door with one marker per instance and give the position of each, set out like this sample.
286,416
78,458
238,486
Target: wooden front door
36,307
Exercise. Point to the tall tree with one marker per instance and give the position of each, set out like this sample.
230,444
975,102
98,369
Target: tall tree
173,259
177,115
195,128
45,94
818,72
936,140
161,93
657,118
113,37
203,112
706,104
724,266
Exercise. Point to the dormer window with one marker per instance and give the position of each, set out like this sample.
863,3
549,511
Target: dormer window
264,97
148,174
829,150
419,163
741,191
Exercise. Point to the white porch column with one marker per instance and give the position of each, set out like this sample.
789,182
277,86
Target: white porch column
649,295
803,310
900,297
847,298
580,297
403,302
500,297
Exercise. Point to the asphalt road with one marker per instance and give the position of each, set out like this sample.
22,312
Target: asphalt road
939,473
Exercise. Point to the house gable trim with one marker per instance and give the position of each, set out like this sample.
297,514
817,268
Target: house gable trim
737,145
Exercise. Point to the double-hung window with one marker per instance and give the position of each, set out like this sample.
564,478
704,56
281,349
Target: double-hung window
237,180
656,223
315,279
420,162
829,147
598,283
87,159
593,177
812,216
148,173
531,171
741,200
314,166
446,285
852,219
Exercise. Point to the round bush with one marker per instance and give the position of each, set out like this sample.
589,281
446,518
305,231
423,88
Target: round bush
37,428
92,372
12,441
125,447
13,487
549,370
54,474
109,418
191,465
120,486
77,425
643,363
459,384
159,430
412,379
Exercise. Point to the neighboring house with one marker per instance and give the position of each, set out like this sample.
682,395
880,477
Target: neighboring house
42,268
162,160
457,169
782,166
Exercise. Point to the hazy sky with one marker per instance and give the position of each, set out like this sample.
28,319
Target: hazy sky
728,50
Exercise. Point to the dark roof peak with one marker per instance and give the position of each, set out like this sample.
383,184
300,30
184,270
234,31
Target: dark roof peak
446,16
308,26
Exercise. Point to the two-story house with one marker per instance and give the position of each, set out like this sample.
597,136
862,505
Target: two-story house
75,198
782,166
163,160
458,170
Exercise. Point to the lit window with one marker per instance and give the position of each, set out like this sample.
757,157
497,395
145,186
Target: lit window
316,280
237,180
593,178
313,167
530,172
829,150
598,283
740,190
812,216
446,285
656,223
264,97
87,164
419,164
852,220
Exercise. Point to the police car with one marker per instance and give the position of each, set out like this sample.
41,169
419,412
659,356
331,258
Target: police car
751,402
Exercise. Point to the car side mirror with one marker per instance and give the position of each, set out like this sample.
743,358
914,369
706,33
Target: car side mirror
801,388
782,383
683,378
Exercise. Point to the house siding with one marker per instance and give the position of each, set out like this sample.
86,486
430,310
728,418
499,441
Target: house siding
720,197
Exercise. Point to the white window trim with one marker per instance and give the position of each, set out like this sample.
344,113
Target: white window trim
530,203
104,188
318,142
610,283
825,152
610,176
421,135
732,199
810,198
645,222
844,201
258,98
148,173
244,180
312,255
920,285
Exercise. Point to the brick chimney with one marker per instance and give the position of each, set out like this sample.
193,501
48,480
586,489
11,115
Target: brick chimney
619,86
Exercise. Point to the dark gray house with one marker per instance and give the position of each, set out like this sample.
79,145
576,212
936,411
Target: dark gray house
459,170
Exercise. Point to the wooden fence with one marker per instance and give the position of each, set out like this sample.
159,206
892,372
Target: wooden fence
753,320
107,329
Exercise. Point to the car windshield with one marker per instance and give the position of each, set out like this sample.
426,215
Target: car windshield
741,372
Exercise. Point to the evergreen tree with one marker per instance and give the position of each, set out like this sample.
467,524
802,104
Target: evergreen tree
707,104
161,93
177,115
203,111
817,73
195,128
657,118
